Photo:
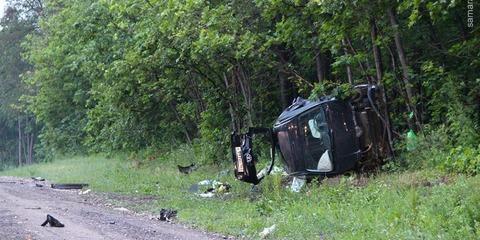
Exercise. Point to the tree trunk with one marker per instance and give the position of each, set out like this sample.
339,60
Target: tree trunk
19,141
30,148
283,87
284,82
376,50
230,106
404,65
362,66
379,69
320,66
246,92
348,67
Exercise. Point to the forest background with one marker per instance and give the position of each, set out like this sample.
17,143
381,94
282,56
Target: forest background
144,76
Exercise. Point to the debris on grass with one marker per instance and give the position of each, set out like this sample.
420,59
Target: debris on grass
278,171
52,222
38,179
167,214
187,169
267,231
297,184
207,194
213,188
208,182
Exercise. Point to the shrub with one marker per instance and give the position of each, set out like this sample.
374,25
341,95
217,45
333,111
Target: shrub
463,159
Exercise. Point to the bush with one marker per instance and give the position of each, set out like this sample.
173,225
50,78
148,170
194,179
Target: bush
463,159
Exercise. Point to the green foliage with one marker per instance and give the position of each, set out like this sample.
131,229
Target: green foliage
15,118
342,91
463,159
111,76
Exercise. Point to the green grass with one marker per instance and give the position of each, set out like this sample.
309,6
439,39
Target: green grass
408,205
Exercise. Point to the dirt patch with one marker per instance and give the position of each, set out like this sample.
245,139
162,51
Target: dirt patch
24,206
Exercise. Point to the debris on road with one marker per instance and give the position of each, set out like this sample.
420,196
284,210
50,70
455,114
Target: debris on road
84,192
121,209
69,186
187,169
8,182
38,185
33,208
167,214
53,222
267,231
38,179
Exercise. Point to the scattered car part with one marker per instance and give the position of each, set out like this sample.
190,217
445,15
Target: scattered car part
297,184
213,188
53,222
244,157
167,214
84,192
69,186
326,137
38,179
187,169
207,194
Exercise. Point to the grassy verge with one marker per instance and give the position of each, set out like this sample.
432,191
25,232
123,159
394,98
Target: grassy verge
409,205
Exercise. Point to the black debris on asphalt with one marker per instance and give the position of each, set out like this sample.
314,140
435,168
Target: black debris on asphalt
52,222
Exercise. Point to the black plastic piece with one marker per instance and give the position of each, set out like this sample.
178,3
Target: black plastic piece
53,222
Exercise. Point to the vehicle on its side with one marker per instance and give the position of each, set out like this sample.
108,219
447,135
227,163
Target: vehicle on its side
326,137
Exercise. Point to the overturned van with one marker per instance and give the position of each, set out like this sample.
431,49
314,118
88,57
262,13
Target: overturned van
321,138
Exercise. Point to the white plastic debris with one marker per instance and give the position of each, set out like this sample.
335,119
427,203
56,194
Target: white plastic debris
122,209
208,182
297,184
262,173
84,192
207,194
267,231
